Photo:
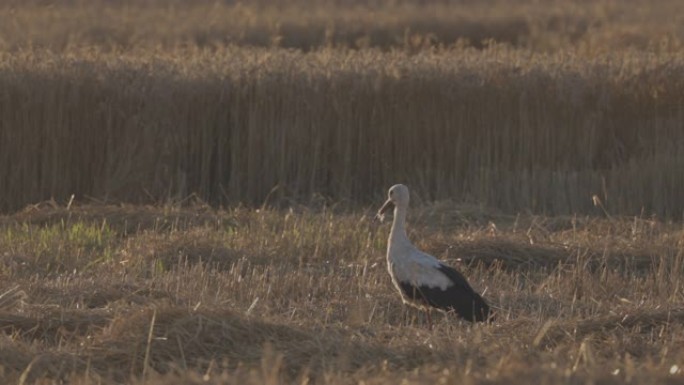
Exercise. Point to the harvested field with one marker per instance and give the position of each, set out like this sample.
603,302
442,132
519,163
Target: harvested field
156,295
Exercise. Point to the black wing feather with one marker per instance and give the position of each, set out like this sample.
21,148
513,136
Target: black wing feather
459,297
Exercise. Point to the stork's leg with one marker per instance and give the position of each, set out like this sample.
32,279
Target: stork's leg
406,315
429,319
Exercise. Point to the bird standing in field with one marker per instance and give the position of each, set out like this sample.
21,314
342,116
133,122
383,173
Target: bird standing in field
422,280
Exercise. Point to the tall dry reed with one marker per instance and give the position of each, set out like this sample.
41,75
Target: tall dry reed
506,128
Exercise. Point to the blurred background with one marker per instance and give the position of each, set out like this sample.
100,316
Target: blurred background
525,105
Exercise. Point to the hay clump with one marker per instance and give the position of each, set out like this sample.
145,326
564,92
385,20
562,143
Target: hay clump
644,320
199,339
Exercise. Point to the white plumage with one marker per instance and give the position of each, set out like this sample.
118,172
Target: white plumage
422,280
419,271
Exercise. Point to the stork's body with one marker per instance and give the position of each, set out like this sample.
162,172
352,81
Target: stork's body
422,280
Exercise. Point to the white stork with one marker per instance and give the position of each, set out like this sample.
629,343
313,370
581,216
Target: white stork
422,280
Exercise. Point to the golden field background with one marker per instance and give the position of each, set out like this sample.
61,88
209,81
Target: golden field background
126,101
225,160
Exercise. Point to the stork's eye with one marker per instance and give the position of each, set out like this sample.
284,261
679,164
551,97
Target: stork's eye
391,192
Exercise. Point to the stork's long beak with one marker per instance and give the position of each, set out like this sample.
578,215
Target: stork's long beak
389,205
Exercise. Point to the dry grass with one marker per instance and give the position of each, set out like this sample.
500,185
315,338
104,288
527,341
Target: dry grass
167,295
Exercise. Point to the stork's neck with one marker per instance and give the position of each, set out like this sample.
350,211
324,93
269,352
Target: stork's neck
398,238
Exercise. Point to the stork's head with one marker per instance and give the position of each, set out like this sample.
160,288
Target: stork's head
398,195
